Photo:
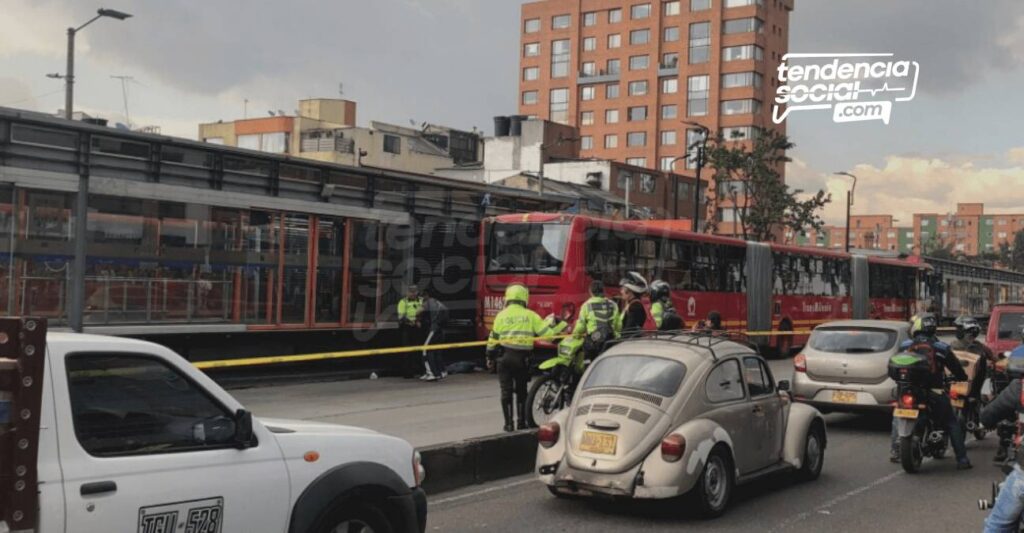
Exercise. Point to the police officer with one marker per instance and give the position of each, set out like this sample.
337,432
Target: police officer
633,316
597,321
1009,405
409,325
511,344
666,318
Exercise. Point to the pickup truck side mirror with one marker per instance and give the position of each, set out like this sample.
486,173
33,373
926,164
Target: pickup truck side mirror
244,436
783,386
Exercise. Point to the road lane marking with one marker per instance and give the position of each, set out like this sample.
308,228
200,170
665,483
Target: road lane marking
488,490
824,508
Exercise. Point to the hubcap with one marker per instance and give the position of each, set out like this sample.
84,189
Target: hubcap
353,526
715,482
813,452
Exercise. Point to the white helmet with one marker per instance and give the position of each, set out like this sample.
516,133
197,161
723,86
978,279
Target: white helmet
634,282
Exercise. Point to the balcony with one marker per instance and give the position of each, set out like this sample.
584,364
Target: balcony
601,76
668,69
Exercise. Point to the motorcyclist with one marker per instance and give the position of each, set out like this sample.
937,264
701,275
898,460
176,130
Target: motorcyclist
925,342
633,316
1009,405
967,332
510,346
597,322
666,318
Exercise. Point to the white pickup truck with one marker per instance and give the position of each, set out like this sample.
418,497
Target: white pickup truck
125,435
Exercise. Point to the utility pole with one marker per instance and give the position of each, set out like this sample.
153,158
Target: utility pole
700,165
849,204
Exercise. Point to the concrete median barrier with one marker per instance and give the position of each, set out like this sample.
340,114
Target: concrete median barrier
455,465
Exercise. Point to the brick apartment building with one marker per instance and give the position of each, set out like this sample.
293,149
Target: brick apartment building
629,74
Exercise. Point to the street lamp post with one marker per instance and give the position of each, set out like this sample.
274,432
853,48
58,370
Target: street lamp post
700,165
849,204
77,299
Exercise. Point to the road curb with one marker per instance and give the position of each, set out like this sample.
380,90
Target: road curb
460,464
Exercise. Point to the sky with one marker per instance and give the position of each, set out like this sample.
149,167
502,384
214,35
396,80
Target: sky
455,62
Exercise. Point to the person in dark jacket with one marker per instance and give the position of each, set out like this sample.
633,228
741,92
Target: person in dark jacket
434,317
633,316
1009,405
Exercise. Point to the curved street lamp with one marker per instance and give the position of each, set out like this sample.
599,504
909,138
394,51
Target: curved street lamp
849,203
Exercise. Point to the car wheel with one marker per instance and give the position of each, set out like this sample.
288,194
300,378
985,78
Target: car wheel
714,488
355,517
814,454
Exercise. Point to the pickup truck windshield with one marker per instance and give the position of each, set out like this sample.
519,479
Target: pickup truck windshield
638,372
531,248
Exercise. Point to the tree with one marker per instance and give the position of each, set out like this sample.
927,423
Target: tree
1017,252
751,177
938,247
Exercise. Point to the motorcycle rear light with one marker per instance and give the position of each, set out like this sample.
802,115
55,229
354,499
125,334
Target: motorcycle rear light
673,447
547,434
907,401
800,363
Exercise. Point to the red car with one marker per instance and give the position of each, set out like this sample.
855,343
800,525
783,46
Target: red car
1004,327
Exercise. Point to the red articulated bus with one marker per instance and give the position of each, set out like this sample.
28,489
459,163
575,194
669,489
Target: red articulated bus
753,286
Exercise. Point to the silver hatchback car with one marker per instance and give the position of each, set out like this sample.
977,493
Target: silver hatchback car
844,366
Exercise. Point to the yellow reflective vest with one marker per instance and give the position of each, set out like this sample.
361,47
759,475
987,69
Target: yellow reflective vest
516,327
409,309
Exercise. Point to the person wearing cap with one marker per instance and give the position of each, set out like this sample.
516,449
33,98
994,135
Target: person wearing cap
411,330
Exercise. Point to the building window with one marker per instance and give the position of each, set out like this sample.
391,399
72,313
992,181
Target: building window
1002,234
742,3
670,60
647,183
611,91
697,96
614,15
638,88
700,42
741,107
637,113
639,37
589,44
587,118
988,221
531,49
741,79
668,138
590,19
611,141
392,144
636,138
529,97
740,133
614,66
744,52
669,111
614,41
700,5
671,34
671,8
924,222
665,164
531,26
636,162
560,58
744,25
640,11
625,179
639,62
611,116
559,107
586,142
589,69
560,22
670,85
587,93
531,73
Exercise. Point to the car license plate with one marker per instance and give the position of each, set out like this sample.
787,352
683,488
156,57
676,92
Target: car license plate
905,413
843,396
958,403
602,443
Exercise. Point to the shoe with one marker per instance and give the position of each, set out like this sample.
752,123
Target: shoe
427,377
433,378
506,411
894,456
964,465
521,412
444,375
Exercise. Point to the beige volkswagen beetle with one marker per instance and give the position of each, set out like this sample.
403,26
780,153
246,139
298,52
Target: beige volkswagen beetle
665,415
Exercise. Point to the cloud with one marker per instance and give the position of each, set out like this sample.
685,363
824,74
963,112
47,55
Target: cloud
35,27
1016,155
905,185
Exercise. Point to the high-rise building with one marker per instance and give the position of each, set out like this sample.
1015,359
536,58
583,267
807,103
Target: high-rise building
631,74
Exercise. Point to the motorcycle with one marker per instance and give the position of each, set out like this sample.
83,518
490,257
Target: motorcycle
552,391
919,435
1006,431
967,405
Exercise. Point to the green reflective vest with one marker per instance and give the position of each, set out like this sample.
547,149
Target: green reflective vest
409,309
515,328
594,312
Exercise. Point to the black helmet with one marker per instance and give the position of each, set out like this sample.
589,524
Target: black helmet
660,289
967,325
925,324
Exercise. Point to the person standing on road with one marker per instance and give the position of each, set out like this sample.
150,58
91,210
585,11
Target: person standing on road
409,325
633,317
434,317
666,318
1009,405
597,321
510,345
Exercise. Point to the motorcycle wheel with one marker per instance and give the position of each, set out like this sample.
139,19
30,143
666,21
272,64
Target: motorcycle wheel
544,400
911,453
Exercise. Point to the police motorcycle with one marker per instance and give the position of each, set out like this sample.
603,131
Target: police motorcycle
552,391
919,435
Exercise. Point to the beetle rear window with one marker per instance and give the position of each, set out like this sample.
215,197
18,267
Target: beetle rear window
654,375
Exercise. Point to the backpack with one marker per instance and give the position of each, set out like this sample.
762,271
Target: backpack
670,319
925,348
604,312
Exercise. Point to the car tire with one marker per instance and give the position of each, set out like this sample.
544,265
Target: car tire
715,485
352,516
814,454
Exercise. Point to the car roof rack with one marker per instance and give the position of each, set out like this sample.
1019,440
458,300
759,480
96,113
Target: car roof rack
690,338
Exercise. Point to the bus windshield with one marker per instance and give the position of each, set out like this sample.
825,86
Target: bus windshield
536,248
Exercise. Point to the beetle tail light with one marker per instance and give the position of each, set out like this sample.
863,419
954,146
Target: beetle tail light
547,434
907,400
673,447
800,363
